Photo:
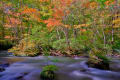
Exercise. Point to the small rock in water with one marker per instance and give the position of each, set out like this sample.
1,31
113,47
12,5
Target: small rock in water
83,70
2,69
5,65
19,77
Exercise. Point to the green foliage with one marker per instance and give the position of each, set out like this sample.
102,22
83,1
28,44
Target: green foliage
48,72
50,67
116,44
97,56
83,26
26,48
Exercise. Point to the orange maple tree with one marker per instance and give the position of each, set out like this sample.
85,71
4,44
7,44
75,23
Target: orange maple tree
59,11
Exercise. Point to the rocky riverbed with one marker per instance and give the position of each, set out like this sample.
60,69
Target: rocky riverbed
29,68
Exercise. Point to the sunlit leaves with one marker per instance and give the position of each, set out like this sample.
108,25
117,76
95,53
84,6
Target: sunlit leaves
81,25
52,23
29,11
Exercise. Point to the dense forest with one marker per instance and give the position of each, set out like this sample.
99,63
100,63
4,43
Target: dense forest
69,28
60,27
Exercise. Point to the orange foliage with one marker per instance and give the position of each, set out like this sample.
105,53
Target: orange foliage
11,22
109,2
52,22
90,5
67,26
93,5
58,13
83,30
81,25
29,11
14,21
7,37
43,0
86,5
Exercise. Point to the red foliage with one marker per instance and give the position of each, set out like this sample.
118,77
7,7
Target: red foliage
52,22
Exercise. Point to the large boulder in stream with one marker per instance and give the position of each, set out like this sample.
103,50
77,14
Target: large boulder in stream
99,65
47,75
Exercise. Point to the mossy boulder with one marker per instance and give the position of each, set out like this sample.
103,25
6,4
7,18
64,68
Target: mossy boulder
47,75
98,59
48,72
100,65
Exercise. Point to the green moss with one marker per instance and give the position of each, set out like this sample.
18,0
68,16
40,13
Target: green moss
48,72
98,59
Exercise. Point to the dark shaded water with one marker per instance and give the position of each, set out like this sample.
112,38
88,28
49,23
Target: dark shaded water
29,68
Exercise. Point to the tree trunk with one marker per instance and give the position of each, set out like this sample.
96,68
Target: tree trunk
66,32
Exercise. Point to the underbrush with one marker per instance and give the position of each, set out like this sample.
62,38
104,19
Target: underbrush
5,44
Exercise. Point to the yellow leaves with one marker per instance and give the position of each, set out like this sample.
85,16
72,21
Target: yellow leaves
24,49
109,2
117,15
25,35
116,23
81,25
67,26
44,0
93,5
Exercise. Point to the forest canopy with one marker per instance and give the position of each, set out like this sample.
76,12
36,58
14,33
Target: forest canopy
60,27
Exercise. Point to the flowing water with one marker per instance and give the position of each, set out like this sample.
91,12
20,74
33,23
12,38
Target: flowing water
29,68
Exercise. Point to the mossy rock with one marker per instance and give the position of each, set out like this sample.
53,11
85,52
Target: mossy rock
100,65
47,75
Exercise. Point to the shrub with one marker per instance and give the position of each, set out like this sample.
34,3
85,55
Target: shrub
5,44
25,48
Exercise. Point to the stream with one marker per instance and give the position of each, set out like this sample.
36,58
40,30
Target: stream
29,68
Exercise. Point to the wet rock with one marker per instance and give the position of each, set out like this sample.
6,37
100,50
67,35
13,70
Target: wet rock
25,73
115,66
47,75
19,78
83,70
2,69
100,65
5,65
